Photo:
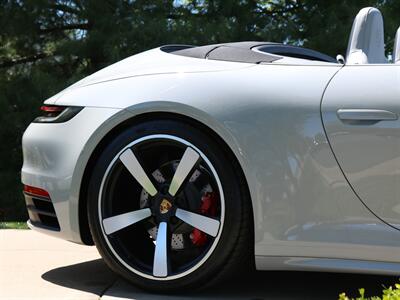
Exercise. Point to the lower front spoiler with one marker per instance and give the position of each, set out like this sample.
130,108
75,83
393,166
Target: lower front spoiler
43,229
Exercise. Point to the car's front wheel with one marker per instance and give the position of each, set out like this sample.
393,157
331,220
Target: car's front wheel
167,207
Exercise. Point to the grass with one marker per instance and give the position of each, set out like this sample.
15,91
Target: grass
13,225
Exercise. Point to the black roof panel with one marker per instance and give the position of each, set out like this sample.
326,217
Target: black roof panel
244,52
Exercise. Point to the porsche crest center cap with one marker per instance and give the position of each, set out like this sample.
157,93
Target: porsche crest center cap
165,206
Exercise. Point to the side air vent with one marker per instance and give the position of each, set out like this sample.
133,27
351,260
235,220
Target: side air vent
40,209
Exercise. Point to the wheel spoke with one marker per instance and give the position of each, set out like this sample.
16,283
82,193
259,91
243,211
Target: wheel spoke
186,165
205,224
132,164
160,264
119,222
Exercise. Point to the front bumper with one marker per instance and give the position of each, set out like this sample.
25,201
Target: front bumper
52,159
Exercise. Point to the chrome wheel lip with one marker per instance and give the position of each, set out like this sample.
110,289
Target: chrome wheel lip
220,190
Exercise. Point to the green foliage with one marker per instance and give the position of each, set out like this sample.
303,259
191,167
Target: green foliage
389,293
47,45
13,225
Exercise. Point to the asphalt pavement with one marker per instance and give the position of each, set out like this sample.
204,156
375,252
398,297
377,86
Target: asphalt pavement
35,266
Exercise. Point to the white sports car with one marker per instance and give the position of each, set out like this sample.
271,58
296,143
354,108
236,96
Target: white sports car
184,164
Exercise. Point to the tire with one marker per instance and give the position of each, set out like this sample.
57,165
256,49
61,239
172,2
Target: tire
160,251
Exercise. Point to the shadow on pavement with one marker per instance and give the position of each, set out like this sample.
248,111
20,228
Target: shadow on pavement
89,276
301,285
92,276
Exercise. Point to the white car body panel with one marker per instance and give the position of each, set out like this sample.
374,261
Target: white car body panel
268,115
368,150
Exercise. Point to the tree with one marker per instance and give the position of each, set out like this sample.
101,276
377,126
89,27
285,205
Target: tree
47,45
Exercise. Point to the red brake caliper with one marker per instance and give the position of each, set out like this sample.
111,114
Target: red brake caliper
208,207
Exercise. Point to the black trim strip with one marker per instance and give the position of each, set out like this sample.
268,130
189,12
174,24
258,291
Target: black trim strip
32,208
33,196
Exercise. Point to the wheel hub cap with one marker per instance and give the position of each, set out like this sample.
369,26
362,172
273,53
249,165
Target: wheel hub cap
165,206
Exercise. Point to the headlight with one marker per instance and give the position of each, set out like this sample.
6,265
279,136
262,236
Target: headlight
57,114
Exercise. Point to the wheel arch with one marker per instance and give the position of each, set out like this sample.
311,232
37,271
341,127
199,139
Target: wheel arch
84,230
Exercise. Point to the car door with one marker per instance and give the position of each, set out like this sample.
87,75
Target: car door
360,111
